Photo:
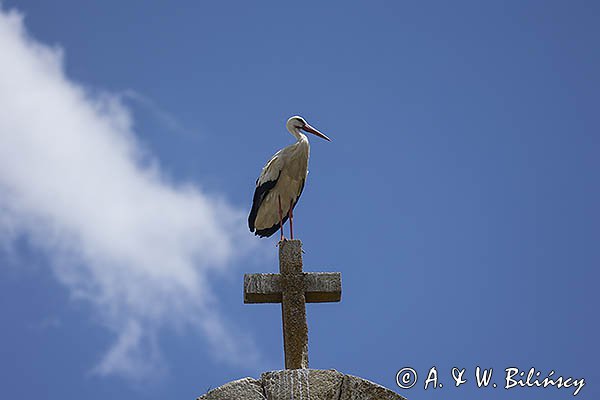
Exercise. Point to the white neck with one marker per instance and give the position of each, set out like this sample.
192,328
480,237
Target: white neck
296,132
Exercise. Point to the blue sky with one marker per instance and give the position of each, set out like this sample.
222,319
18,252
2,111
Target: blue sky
458,197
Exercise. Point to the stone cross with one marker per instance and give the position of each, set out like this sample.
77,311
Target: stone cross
293,288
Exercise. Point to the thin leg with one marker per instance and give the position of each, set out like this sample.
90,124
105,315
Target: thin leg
291,215
280,218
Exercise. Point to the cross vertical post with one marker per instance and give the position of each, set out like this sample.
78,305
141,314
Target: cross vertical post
293,306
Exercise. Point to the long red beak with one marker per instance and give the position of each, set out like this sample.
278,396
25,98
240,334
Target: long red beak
312,130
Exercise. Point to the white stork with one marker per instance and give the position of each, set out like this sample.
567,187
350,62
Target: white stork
280,183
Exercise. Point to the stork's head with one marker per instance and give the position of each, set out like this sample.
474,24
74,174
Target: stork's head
296,123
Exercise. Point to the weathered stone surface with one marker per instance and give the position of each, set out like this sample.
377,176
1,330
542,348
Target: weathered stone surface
302,384
242,389
355,388
262,288
293,305
293,288
319,287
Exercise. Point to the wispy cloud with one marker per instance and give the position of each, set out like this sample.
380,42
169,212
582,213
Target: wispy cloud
119,235
165,118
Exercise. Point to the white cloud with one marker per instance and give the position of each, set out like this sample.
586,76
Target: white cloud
120,236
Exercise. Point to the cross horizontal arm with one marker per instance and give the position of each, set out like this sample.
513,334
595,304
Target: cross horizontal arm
322,287
262,288
319,287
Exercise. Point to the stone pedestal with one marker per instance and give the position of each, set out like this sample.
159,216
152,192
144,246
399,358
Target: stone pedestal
302,384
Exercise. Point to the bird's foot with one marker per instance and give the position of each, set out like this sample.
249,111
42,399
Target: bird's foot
283,239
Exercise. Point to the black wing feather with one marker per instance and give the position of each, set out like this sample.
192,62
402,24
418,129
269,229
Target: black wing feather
270,231
259,195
